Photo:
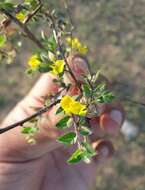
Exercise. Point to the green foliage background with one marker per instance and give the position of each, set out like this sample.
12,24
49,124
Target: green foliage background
114,30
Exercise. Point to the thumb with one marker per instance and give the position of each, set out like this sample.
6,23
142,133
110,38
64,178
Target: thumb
13,143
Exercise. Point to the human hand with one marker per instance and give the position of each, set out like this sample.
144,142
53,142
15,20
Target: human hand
43,166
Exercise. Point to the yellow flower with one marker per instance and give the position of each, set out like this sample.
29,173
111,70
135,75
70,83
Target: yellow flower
34,62
71,106
65,103
69,40
57,67
20,16
83,50
74,43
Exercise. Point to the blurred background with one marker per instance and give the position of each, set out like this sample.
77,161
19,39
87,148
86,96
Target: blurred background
114,31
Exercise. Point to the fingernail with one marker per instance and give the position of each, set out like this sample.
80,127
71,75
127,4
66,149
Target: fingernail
116,115
105,152
104,149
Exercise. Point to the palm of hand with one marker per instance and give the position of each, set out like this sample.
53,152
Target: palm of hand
52,172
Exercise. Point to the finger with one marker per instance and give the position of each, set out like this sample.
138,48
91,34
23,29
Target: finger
104,150
108,125
109,122
112,118
111,115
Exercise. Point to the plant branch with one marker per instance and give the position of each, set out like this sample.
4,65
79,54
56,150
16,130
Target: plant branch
24,28
139,103
60,49
20,123
73,27
76,130
66,4
31,15
38,113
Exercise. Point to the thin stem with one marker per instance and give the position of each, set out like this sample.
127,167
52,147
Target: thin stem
21,123
60,48
24,28
66,4
133,101
38,113
73,27
76,130
31,15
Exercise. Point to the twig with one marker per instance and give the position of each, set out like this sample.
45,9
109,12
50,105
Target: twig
24,28
133,101
38,113
73,27
66,4
31,15
20,123
60,48
127,99
76,130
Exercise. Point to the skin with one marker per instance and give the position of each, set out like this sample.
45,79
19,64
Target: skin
43,166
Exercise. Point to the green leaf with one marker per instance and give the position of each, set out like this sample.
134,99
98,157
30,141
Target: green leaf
102,94
43,35
33,3
68,139
43,56
96,76
30,71
86,90
75,157
88,150
43,68
59,110
62,124
29,130
106,97
84,131
83,154
52,45
2,40
8,6
100,88
82,121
